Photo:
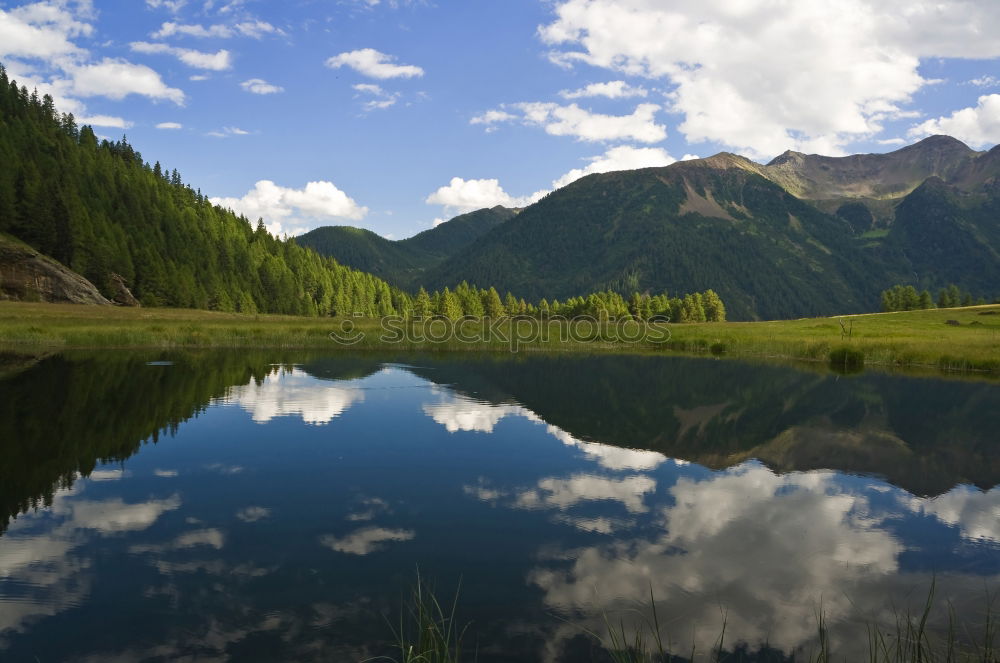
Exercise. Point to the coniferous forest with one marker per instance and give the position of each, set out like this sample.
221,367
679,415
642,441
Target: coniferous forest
98,208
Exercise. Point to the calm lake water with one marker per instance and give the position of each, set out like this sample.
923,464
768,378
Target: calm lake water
276,506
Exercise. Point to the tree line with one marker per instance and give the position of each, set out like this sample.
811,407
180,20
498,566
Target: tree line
97,207
907,298
469,300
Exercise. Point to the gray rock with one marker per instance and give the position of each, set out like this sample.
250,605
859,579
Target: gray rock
27,275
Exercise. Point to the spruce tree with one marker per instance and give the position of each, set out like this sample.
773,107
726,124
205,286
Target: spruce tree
494,307
422,304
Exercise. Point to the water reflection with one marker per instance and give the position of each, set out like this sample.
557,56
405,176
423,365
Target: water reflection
366,540
41,572
459,413
976,514
772,550
293,392
293,502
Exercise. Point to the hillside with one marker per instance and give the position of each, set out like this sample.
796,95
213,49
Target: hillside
730,224
402,262
100,210
688,226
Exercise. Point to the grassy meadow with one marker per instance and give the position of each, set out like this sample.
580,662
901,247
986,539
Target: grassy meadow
927,339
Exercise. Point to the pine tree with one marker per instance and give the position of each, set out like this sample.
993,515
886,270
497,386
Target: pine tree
511,305
494,307
422,305
449,306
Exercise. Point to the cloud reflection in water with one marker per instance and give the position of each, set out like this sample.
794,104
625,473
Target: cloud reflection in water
293,392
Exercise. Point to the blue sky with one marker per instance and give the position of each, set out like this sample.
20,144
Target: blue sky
392,115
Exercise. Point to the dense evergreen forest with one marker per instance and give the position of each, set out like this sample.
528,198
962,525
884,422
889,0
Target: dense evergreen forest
98,208
404,262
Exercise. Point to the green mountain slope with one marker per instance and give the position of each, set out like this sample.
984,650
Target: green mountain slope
765,237
100,210
402,262
367,251
712,223
949,232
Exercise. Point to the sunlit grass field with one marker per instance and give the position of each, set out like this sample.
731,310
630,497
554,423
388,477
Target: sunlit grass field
906,339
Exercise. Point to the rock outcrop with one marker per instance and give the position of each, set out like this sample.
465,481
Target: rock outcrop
27,275
123,296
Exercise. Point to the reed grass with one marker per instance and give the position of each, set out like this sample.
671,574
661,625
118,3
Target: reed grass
428,634
425,631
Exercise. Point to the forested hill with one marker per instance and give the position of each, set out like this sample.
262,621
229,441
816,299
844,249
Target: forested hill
694,226
403,262
99,209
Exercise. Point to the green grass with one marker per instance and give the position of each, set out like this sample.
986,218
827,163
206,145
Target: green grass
905,339
426,633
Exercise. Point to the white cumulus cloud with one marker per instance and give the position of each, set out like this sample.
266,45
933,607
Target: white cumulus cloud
374,64
260,86
172,6
978,126
377,98
169,125
582,124
218,61
44,33
461,195
621,157
763,76
116,79
39,31
254,29
104,121
292,210
611,90
985,81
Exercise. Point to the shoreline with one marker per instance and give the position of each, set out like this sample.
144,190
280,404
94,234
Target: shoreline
921,341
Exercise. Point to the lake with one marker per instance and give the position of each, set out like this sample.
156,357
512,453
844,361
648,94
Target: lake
264,506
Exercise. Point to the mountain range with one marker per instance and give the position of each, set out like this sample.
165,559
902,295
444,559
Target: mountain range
801,235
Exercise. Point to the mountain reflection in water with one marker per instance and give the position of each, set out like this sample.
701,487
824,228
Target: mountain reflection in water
297,494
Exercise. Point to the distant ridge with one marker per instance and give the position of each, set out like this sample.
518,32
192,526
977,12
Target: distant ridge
403,262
